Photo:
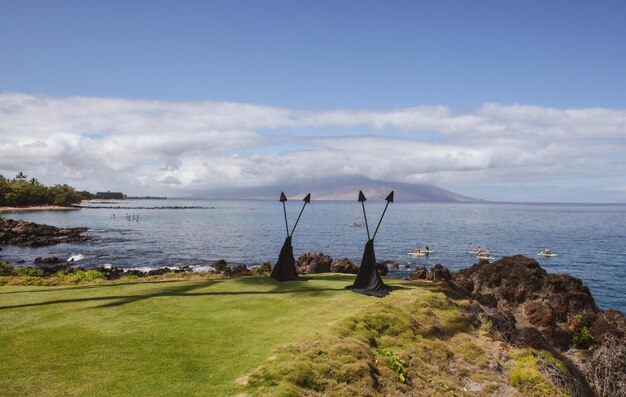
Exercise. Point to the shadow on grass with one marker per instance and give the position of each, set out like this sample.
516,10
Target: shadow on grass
90,286
177,290
288,287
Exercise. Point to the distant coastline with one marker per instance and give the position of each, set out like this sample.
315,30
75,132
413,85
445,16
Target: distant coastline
37,208
145,198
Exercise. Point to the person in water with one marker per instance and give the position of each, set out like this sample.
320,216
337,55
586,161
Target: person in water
546,251
471,247
479,251
488,252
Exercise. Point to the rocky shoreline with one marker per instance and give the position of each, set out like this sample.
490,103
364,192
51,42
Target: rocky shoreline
37,208
523,305
30,234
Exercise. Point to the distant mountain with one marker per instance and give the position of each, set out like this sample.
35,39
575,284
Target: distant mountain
347,188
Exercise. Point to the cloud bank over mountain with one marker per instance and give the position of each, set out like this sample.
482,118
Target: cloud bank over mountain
494,152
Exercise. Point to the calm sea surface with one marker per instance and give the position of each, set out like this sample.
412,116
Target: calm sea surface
589,239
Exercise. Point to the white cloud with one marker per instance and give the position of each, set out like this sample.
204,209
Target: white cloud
99,143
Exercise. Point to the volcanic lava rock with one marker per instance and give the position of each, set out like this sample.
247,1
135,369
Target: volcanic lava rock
221,266
549,303
49,261
30,234
159,271
312,263
390,264
344,265
435,273
419,274
240,270
382,268
439,273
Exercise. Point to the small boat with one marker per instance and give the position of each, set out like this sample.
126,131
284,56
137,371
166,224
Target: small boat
428,251
358,224
417,253
488,257
472,252
547,255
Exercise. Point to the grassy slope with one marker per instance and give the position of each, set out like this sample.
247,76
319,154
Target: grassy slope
187,338
199,337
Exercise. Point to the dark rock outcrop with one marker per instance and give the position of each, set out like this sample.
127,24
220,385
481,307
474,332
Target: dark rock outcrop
240,270
221,266
113,273
30,234
159,271
224,268
439,273
390,264
382,268
264,269
344,265
419,274
435,273
54,268
527,307
552,304
610,323
134,272
518,280
49,261
312,263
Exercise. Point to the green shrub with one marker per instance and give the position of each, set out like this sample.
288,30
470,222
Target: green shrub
528,374
36,281
93,275
80,276
395,363
6,269
28,271
581,335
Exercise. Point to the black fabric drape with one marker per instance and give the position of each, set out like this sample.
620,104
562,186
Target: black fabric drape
285,268
368,280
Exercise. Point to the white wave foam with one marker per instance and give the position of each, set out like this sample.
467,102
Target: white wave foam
144,269
76,258
200,268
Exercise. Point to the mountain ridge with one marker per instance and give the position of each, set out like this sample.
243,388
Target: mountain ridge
347,188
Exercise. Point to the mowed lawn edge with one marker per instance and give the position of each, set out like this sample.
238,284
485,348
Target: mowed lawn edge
162,338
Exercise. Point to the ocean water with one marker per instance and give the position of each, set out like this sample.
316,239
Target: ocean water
589,239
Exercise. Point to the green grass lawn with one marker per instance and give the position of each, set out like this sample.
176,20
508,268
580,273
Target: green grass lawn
162,338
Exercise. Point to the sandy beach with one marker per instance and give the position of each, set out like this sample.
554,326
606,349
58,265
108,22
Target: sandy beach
37,208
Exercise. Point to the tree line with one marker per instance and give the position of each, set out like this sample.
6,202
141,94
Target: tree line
22,192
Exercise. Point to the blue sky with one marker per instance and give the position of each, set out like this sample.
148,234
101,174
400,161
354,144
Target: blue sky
536,59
